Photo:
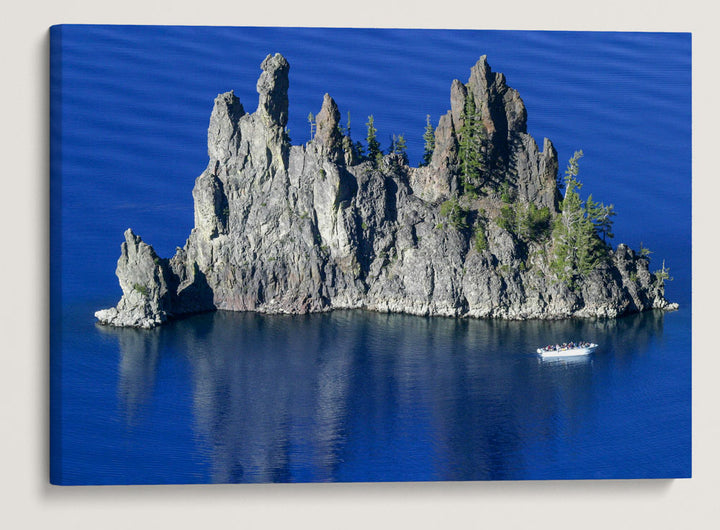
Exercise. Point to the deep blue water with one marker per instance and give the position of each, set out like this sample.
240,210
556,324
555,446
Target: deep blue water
353,396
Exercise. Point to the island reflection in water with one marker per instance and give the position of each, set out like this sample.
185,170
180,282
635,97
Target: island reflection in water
362,396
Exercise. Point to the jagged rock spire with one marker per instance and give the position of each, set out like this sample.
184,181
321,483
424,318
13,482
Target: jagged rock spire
503,111
458,93
328,120
222,131
143,279
273,88
481,75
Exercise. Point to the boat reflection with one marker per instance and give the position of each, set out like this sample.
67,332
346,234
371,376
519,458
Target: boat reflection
572,360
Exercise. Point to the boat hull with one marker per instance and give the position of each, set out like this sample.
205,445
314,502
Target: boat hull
568,352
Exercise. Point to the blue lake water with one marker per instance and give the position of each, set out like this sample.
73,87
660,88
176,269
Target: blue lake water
357,396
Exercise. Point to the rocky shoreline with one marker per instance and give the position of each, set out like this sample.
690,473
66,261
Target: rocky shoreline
283,228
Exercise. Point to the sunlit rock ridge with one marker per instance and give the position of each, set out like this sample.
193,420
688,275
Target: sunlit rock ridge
283,228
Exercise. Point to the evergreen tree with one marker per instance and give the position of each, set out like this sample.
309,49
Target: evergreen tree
352,154
429,138
507,219
480,238
593,209
360,150
663,275
374,152
471,143
400,147
311,121
644,251
605,222
590,250
567,224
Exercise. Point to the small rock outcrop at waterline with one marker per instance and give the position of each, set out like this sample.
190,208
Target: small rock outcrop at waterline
283,228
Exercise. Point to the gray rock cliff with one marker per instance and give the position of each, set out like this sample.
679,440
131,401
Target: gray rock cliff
283,228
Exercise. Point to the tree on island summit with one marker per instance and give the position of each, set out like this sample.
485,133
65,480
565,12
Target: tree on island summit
359,149
429,138
347,126
374,152
311,121
471,145
399,147
578,247
663,274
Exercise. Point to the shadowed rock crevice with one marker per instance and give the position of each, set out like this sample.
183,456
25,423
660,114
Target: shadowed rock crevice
314,227
193,294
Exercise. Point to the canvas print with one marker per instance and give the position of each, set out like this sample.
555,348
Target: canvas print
360,255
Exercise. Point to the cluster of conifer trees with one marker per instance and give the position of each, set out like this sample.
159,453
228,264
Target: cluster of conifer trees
581,230
472,147
374,153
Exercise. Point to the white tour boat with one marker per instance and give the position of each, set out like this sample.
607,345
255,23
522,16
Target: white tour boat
568,350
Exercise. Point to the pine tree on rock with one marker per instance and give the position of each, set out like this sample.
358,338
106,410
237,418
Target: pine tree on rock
429,138
663,274
353,150
311,121
400,147
374,152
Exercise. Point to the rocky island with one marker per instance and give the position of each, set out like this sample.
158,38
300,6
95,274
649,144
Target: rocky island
483,228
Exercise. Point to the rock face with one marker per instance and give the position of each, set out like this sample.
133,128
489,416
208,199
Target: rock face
294,229
144,281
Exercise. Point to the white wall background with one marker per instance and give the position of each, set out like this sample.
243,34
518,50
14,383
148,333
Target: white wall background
26,499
